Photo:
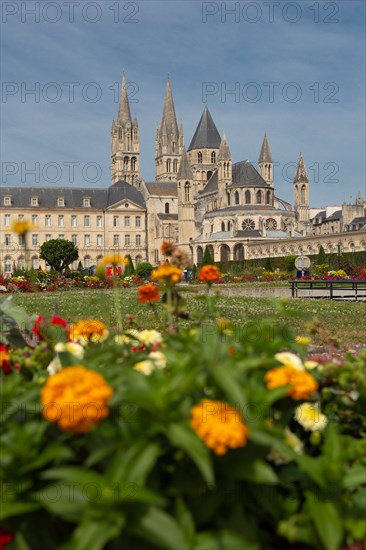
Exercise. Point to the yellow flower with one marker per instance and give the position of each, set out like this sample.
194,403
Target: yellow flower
303,340
76,398
72,347
168,273
219,425
155,360
302,384
21,227
158,359
310,365
149,337
89,330
113,259
308,415
281,457
146,367
290,360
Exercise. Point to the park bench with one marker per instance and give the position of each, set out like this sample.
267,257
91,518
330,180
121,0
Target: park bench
333,290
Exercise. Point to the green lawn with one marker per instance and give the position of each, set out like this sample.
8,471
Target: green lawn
344,320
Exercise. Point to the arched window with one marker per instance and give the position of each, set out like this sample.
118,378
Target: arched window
21,262
135,134
125,163
236,197
120,133
186,191
175,165
303,194
35,262
166,208
209,174
199,158
213,157
168,165
268,197
228,226
87,261
133,163
7,264
199,255
247,197
239,252
224,253
228,199
222,226
259,197
138,259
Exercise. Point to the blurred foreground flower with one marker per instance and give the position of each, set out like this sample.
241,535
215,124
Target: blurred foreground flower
155,360
308,415
4,359
89,330
209,274
76,398
113,259
280,457
167,273
22,227
219,425
302,384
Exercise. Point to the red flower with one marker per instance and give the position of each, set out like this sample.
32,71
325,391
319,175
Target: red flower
4,361
39,324
148,293
5,538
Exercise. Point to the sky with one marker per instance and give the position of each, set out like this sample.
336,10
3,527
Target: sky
295,70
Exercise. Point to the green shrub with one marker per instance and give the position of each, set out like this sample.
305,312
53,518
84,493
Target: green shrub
144,269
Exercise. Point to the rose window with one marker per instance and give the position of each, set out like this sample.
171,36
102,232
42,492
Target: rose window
271,224
248,224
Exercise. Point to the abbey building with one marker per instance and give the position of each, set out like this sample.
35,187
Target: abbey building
200,197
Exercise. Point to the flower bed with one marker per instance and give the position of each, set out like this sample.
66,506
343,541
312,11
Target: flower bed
195,438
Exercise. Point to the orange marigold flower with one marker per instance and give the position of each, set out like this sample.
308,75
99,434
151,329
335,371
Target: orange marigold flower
168,273
302,384
209,273
148,293
219,425
76,398
89,330
167,248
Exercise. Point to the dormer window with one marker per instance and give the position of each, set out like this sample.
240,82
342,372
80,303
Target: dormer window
7,200
34,201
86,202
60,201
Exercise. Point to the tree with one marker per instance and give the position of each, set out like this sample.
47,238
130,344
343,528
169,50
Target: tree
207,258
59,253
129,269
321,259
144,269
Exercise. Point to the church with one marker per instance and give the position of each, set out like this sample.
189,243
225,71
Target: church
199,198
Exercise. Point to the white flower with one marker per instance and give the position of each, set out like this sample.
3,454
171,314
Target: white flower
130,336
158,358
150,337
280,457
3,288
290,360
310,365
72,347
54,366
308,415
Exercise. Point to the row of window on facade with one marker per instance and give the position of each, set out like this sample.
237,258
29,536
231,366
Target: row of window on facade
127,220
248,225
135,134
34,201
259,196
10,265
74,238
200,157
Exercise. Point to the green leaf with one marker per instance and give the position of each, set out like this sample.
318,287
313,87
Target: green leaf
183,437
10,509
327,521
74,474
228,382
223,540
161,529
185,520
134,464
94,535
354,477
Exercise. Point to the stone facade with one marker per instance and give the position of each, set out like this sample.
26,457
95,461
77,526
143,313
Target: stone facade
199,198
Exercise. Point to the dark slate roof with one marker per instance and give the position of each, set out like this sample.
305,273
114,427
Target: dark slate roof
335,216
360,220
73,196
206,134
211,186
162,188
185,170
168,217
246,234
244,174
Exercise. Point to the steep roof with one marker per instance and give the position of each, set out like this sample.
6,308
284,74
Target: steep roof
185,170
265,155
335,216
211,186
124,113
301,175
224,151
206,134
169,120
244,174
162,188
47,196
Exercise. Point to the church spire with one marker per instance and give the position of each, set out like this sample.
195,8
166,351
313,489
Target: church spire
265,155
301,175
124,113
169,124
224,151
206,135
185,170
